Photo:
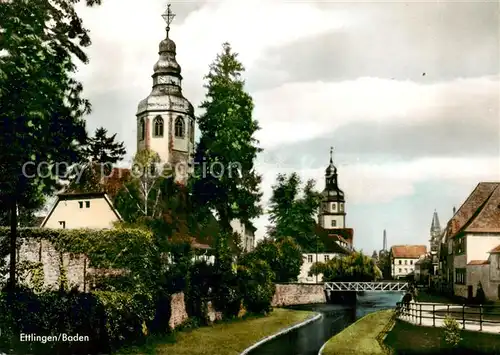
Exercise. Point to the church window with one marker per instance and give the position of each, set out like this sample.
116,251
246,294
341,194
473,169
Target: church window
191,131
341,207
334,223
158,127
334,207
142,129
179,127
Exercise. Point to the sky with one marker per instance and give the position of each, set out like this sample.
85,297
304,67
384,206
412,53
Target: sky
407,93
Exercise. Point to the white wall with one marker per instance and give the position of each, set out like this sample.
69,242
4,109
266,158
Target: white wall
407,266
478,246
309,260
99,215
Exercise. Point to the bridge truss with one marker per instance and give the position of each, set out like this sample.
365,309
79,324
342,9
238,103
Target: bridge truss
366,286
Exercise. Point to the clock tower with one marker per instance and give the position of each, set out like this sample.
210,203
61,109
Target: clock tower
332,210
165,119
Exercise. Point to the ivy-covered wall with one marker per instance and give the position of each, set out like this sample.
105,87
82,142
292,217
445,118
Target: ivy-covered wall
52,258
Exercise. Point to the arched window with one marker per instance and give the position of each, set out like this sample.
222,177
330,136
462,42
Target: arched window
142,129
179,127
192,131
158,126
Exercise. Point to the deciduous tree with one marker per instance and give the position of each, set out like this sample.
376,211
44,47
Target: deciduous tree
41,107
354,267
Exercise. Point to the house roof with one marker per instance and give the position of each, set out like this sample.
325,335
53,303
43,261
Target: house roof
408,251
114,182
77,196
479,212
495,250
478,262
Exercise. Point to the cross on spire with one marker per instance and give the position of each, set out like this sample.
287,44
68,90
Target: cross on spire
168,16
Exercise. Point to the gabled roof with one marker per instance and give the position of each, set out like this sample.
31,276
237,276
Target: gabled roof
495,250
472,207
408,251
77,196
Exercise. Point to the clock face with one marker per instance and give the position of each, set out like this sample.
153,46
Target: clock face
162,80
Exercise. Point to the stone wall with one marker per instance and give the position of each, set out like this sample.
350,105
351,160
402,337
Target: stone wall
294,294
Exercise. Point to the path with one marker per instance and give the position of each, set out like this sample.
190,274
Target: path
427,320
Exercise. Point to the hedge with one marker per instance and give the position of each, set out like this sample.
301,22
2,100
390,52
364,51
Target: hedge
104,321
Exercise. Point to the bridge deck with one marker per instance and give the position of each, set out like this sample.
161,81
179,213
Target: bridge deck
366,286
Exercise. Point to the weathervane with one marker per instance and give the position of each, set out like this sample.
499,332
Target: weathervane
168,16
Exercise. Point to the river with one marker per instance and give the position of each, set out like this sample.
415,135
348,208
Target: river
309,339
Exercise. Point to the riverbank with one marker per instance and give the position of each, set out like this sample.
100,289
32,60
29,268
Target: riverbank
409,339
361,337
228,338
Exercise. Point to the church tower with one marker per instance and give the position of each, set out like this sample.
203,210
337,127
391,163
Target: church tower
165,119
435,233
332,211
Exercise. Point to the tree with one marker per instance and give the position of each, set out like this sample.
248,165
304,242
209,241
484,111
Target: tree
283,256
41,107
354,267
292,211
225,179
256,285
141,195
103,149
384,264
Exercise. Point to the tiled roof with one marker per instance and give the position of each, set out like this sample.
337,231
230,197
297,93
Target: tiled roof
488,219
408,251
115,181
495,250
478,262
471,209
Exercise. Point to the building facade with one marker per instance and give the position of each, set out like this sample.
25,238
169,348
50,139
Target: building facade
403,259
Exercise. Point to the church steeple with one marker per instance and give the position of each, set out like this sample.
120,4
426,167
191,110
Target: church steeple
165,119
435,226
332,213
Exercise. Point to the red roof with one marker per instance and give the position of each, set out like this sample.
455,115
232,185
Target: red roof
408,251
479,212
478,262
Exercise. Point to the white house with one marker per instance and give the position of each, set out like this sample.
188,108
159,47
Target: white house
404,257
246,233
82,210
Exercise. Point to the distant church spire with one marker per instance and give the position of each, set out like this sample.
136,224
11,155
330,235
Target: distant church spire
384,246
435,226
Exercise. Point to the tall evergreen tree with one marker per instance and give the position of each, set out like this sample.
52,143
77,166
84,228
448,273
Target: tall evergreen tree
41,107
292,211
225,177
104,149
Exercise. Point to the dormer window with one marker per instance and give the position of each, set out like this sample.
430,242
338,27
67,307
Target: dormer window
179,127
158,127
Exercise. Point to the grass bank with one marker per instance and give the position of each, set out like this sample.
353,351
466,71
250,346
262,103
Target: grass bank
228,338
361,337
409,339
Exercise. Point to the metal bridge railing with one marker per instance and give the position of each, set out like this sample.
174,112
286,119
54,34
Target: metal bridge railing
366,286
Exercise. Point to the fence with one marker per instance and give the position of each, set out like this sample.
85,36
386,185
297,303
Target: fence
471,317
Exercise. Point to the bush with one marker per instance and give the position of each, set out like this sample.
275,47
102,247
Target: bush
257,286
108,319
451,331
200,286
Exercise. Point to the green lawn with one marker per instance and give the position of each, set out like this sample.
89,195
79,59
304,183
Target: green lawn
229,338
408,339
361,337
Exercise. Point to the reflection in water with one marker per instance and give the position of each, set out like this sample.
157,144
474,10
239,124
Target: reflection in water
309,339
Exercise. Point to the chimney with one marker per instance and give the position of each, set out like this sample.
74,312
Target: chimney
454,210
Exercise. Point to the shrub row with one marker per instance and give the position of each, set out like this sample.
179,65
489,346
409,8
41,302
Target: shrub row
104,321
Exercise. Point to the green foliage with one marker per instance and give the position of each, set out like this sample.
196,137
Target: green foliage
104,149
284,257
227,138
451,331
31,273
109,319
384,264
41,108
293,210
201,277
130,249
256,285
354,267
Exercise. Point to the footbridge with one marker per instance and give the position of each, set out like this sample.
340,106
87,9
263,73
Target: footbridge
366,286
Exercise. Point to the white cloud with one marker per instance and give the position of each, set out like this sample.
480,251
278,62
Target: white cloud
377,184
